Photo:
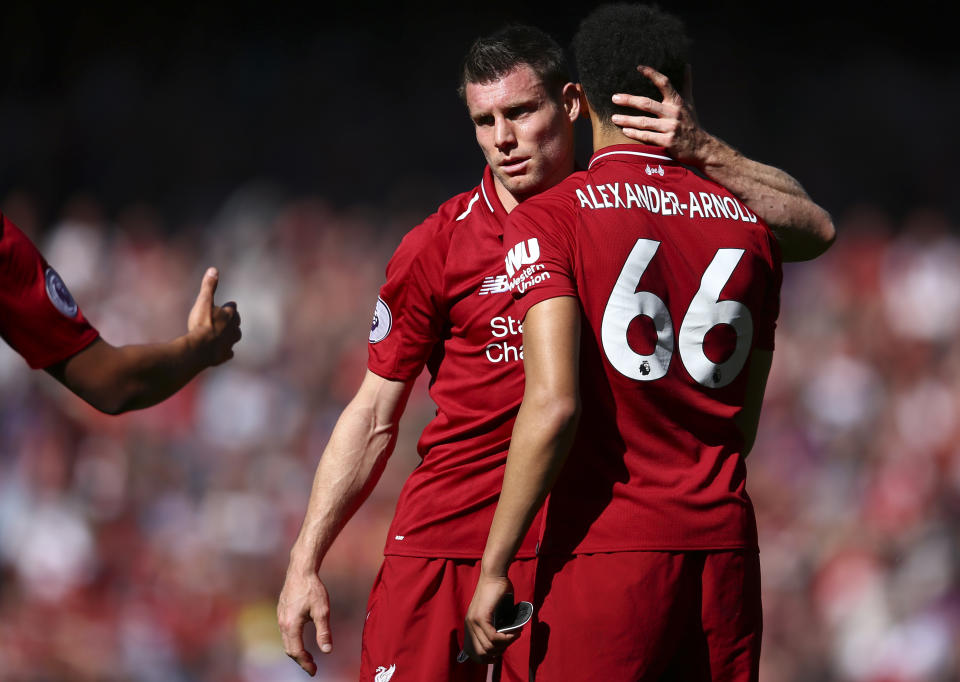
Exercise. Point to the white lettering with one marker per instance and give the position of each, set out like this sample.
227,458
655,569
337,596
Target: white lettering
651,193
500,326
641,199
718,205
525,284
522,254
731,206
596,204
503,352
615,191
695,206
583,199
675,201
707,205
603,195
630,195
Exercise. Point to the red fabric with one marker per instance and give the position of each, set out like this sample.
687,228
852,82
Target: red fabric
657,461
445,308
415,620
644,616
29,320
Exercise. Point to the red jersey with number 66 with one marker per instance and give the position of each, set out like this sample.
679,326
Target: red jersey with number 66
678,283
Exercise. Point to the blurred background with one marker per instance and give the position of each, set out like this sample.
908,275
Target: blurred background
292,148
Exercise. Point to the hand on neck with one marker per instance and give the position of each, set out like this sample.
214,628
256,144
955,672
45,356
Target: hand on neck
606,133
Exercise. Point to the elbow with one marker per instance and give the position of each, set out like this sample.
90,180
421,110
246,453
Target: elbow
828,232
809,243
826,235
112,403
558,414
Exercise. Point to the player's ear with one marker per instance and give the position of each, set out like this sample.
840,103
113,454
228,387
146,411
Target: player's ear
571,100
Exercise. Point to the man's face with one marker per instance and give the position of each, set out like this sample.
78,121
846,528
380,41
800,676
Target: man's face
525,134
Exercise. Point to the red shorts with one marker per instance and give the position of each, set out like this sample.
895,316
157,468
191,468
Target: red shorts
638,616
415,615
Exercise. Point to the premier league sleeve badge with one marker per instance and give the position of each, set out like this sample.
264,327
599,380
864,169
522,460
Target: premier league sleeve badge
59,295
382,322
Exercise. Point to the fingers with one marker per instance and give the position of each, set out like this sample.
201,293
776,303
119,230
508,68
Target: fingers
662,82
651,106
484,644
292,633
647,137
208,286
228,315
321,619
200,314
660,125
653,131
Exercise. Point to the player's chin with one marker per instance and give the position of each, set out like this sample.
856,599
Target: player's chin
524,186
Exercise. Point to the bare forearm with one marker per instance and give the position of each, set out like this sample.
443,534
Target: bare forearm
351,465
119,379
804,229
545,426
541,441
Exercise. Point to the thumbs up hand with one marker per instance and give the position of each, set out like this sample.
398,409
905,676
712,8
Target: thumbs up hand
213,329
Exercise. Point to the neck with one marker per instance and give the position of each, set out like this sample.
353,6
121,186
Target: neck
507,200
606,134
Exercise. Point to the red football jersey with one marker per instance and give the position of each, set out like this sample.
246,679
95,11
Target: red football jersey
678,282
446,305
38,316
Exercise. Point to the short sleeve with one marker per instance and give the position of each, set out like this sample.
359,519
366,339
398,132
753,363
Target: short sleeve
38,316
408,315
540,252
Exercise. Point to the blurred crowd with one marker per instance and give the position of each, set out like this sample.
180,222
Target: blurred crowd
152,546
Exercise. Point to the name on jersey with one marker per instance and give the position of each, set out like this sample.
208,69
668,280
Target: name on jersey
661,202
504,346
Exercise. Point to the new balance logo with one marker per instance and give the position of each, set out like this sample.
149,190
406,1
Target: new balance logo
494,285
384,674
522,254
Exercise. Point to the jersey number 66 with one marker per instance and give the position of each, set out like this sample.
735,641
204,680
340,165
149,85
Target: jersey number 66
705,312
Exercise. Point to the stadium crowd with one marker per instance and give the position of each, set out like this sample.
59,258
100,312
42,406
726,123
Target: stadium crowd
152,546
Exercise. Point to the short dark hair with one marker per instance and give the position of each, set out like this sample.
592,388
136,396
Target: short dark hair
614,39
493,57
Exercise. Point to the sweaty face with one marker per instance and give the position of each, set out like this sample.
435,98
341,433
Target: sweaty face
526,135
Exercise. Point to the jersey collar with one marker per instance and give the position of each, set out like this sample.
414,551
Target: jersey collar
490,201
626,152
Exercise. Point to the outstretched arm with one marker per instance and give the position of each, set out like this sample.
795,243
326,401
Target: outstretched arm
117,379
542,436
803,229
349,468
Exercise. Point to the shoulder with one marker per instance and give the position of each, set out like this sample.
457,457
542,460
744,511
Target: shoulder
438,227
741,217
556,205
428,244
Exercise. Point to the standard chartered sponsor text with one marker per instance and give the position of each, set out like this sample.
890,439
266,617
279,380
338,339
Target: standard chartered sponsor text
507,345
